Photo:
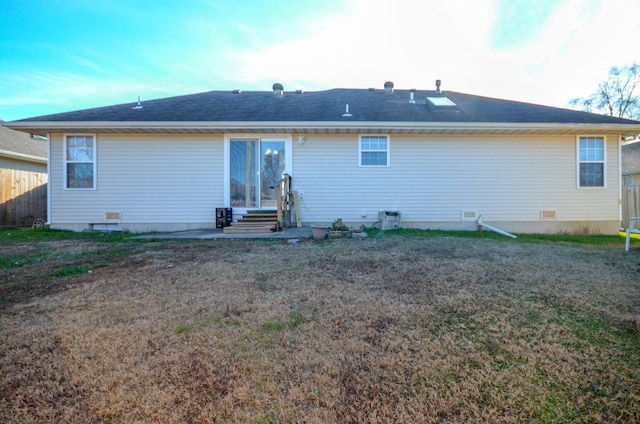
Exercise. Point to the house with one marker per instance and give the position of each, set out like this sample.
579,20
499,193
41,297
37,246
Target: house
440,158
631,164
21,151
23,178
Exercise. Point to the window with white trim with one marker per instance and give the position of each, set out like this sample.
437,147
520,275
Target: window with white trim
80,161
591,161
373,150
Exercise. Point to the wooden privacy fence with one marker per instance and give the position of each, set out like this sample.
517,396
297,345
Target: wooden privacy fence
630,203
23,197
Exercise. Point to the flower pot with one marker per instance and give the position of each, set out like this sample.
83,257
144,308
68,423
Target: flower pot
319,231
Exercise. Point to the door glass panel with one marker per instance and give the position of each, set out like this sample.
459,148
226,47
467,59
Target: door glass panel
244,172
272,160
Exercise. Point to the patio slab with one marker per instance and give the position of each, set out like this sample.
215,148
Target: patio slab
215,233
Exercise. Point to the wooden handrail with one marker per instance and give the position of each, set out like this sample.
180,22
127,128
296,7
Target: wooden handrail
283,198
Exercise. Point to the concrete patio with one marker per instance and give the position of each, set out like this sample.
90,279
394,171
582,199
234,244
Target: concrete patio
215,233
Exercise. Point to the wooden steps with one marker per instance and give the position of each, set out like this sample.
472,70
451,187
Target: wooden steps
254,222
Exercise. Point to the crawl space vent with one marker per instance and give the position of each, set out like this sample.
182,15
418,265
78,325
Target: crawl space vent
112,216
547,215
469,215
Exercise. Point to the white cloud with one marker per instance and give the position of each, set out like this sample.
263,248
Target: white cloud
413,43
359,43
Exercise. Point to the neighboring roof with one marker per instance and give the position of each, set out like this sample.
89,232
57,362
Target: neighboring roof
18,145
631,158
320,111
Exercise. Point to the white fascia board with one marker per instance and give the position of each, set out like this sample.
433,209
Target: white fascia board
469,127
22,156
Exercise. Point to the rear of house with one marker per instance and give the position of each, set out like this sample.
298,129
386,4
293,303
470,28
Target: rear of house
441,159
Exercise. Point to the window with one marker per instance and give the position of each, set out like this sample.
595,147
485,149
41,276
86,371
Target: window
374,150
80,162
591,161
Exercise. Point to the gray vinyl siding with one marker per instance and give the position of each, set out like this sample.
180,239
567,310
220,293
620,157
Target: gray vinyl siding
160,182
432,179
21,165
149,179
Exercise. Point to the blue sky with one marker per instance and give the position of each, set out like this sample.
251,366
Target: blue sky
63,55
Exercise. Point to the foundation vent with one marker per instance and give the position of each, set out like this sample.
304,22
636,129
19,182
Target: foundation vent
112,216
548,215
469,215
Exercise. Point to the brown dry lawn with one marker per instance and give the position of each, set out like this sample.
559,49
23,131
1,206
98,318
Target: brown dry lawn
387,329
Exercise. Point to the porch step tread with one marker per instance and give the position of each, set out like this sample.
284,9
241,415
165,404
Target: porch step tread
260,212
256,219
253,224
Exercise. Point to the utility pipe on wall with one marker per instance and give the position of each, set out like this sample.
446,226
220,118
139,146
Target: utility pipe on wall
492,228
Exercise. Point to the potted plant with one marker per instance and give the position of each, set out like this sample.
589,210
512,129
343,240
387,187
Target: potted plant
338,229
319,231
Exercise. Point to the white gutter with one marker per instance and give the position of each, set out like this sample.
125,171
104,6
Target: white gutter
623,129
492,228
23,156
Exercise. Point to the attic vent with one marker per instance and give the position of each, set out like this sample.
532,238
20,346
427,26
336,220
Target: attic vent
299,91
112,216
469,215
438,84
278,89
237,91
388,88
371,89
548,215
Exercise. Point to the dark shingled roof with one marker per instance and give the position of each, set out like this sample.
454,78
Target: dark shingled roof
19,142
631,158
365,105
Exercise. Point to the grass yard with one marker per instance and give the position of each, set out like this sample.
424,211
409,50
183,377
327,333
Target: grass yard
411,327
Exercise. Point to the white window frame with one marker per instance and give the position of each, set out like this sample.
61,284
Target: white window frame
288,162
93,162
361,151
603,162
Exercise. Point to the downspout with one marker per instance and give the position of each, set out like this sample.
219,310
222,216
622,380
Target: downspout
620,141
492,228
48,179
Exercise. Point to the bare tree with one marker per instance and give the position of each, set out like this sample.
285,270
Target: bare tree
618,96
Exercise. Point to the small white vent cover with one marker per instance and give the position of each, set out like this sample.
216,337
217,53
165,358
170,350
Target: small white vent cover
112,216
548,215
469,215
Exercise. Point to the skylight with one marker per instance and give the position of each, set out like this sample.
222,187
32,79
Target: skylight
441,102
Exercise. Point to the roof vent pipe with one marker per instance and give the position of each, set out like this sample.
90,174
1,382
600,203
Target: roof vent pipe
438,83
388,88
138,106
278,89
412,94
